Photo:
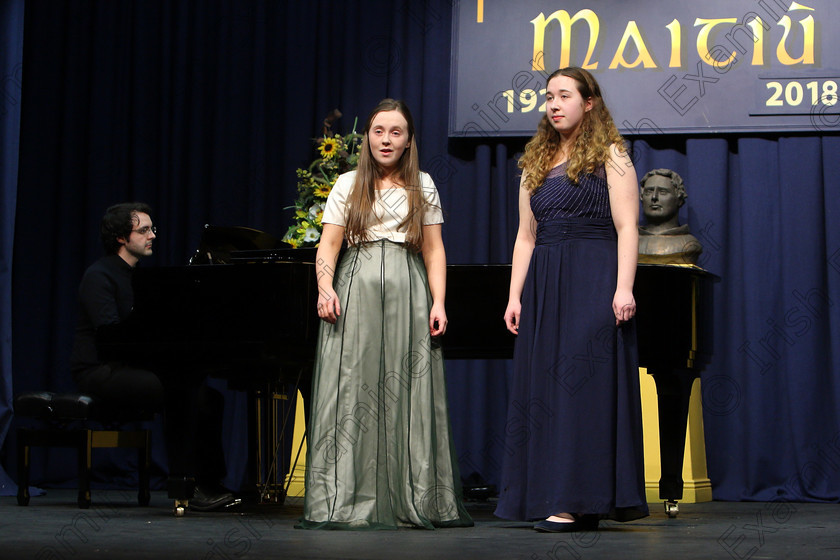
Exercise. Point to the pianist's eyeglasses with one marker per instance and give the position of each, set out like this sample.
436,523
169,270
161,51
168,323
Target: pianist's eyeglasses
145,230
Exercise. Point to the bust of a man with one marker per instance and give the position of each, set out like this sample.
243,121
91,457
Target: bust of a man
662,240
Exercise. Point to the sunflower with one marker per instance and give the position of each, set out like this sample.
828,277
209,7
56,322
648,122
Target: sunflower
321,191
328,147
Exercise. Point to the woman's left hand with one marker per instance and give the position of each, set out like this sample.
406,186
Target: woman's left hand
624,306
437,320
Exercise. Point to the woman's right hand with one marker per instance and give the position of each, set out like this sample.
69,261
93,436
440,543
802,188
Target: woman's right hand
328,307
512,316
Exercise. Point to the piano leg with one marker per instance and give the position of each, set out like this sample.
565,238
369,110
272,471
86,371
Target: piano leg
180,489
673,389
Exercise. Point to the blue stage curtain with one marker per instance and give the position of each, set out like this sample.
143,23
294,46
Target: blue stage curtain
205,110
11,75
766,211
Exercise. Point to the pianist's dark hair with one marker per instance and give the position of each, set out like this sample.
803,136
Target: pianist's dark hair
118,222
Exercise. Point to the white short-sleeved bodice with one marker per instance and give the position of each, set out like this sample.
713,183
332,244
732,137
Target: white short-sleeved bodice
391,207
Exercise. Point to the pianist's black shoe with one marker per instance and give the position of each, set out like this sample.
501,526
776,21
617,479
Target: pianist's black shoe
209,499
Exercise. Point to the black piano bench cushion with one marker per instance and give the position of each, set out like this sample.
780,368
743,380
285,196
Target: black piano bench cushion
34,405
45,405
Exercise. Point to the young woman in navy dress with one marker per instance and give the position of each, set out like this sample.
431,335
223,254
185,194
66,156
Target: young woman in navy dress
573,452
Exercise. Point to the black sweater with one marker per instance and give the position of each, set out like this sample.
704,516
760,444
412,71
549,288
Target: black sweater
106,296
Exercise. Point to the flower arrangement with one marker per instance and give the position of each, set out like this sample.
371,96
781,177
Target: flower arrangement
338,154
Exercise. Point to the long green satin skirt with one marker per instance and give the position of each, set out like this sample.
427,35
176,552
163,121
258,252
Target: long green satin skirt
380,452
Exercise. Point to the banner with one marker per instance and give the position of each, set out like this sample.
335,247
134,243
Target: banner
664,66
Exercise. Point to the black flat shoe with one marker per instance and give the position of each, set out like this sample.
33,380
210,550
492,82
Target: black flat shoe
586,523
205,499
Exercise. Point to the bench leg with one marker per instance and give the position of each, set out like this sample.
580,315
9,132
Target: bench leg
24,460
144,462
84,446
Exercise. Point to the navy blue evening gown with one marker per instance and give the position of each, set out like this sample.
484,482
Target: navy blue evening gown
573,433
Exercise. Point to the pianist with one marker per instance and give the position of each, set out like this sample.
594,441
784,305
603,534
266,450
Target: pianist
192,411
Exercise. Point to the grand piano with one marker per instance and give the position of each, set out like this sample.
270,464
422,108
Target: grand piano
244,310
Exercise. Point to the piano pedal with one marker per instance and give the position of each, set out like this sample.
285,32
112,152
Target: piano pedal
671,508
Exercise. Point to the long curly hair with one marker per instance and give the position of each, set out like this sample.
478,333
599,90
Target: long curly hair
591,147
360,213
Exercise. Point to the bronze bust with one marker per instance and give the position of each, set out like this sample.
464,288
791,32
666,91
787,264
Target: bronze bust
662,240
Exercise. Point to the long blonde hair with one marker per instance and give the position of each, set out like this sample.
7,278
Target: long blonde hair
591,146
360,214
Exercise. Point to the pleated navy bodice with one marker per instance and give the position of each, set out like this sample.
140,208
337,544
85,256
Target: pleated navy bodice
558,197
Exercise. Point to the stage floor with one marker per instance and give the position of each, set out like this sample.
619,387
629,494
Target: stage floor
116,528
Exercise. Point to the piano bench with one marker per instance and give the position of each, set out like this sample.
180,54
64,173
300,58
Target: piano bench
78,421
